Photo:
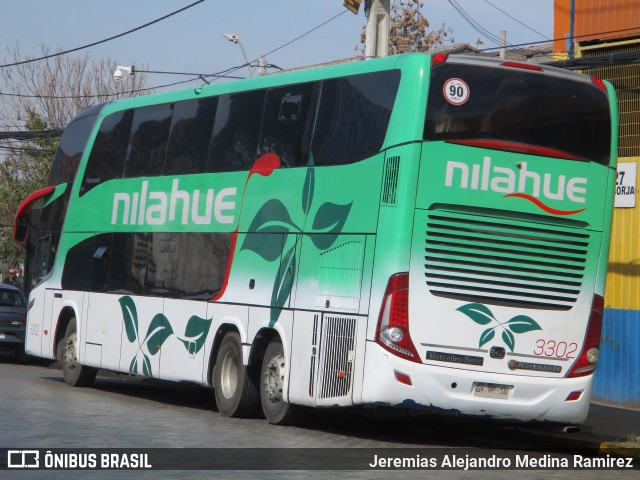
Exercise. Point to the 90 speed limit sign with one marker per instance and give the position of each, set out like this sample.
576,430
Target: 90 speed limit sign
456,91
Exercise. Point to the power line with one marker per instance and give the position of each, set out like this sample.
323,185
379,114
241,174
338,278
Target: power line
27,150
102,41
30,134
476,26
202,77
516,20
575,37
233,69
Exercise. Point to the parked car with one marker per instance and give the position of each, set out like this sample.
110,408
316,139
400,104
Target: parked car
13,321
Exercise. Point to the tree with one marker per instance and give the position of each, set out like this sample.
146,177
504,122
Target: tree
409,29
44,95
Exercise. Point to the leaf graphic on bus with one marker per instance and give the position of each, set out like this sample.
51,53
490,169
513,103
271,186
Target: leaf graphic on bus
130,316
146,366
487,336
308,189
523,324
273,217
477,312
133,366
330,219
509,339
195,334
284,284
159,330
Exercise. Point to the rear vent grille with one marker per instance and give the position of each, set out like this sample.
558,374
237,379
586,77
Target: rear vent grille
338,344
504,262
390,180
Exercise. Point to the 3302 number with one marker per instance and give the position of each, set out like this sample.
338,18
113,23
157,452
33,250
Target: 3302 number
551,348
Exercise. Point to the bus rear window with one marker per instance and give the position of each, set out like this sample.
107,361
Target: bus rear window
532,112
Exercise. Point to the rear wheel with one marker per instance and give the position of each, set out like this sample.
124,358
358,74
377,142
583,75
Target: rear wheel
75,375
274,369
235,388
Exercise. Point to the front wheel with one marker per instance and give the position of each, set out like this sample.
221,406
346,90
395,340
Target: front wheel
235,388
75,375
274,369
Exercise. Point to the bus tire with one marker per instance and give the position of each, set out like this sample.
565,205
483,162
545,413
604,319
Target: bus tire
273,372
235,387
75,375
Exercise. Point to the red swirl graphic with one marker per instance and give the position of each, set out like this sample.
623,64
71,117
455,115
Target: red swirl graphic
544,207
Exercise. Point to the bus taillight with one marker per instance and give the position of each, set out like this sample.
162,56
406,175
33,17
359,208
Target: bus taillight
524,66
599,83
438,59
586,363
393,324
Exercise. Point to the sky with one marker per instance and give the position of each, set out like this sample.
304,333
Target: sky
192,40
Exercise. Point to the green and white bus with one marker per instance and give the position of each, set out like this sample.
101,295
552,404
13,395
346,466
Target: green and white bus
414,232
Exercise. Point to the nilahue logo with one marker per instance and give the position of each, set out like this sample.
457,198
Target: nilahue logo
520,182
157,208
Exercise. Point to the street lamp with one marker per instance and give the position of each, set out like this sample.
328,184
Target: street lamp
232,37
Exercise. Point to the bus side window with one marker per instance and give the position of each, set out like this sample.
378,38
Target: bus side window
176,274
191,129
353,117
285,130
106,160
148,142
69,152
128,263
235,132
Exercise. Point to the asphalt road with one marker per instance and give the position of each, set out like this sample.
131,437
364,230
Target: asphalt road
40,412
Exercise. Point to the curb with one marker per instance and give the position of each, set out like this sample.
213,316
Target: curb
601,445
620,449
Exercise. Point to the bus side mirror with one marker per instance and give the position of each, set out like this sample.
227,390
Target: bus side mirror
20,228
21,222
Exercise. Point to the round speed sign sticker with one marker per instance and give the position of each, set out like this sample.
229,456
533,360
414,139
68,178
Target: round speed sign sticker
456,91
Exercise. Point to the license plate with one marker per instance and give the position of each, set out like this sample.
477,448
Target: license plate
491,390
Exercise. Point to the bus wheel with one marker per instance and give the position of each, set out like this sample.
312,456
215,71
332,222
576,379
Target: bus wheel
235,389
75,375
275,408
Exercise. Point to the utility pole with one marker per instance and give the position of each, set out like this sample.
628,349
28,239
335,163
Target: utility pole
503,44
378,13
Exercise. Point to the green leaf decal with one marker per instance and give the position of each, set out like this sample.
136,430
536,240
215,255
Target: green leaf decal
523,324
487,336
273,217
284,284
159,330
330,219
477,312
307,190
133,366
130,316
509,339
146,366
195,334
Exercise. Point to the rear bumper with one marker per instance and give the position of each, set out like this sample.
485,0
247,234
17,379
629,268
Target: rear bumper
451,390
11,340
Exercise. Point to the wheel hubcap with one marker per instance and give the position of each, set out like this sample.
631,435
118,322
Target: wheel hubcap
274,378
69,352
229,375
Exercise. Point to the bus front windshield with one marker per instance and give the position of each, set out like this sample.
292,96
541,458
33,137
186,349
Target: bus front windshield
558,116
